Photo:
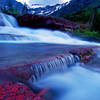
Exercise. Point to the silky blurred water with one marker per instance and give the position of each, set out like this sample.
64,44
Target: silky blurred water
35,35
77,83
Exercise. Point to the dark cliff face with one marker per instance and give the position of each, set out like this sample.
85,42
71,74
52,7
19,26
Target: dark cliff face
77,5
37,21
6,4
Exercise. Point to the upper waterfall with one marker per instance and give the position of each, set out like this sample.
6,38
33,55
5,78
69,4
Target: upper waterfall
11,33
8,20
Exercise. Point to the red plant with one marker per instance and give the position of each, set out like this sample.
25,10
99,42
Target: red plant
16,91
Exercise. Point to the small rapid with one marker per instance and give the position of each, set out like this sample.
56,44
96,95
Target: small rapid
58,64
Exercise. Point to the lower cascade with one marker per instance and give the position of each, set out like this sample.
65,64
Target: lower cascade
73,82
59,64
77,83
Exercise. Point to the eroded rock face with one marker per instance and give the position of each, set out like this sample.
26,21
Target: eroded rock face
36,21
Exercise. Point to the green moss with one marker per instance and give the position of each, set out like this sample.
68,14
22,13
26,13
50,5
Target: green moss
12,11
87,32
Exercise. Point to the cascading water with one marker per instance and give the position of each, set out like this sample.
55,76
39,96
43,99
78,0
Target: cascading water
59,64
76,84
8,20
35,35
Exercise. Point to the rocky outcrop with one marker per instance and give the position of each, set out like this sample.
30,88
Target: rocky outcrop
36,21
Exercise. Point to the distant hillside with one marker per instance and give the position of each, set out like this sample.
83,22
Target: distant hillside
75,6
83,12
46,10
11,4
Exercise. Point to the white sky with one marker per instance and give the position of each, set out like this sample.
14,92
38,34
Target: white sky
44,2
23,1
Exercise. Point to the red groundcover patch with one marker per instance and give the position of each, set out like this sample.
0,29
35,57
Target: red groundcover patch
17,91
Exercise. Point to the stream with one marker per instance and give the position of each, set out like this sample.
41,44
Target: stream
76,83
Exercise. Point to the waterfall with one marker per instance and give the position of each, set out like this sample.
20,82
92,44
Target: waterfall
59,64
27,35
9,20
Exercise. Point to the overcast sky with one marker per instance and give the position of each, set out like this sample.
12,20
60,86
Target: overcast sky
44,2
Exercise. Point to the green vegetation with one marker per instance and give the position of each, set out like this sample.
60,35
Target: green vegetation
81,16
90,16
87,32
11,11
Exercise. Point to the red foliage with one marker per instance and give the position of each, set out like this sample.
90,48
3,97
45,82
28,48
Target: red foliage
16,91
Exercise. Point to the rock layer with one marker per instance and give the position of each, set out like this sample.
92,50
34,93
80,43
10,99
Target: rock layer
36,21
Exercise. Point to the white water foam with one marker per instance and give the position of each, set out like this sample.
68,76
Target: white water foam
27,35
41,36
9,20
76,84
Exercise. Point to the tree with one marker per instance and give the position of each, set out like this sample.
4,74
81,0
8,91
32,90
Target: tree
92,17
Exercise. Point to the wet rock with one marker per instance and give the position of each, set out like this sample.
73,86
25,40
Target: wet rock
93,64
85,54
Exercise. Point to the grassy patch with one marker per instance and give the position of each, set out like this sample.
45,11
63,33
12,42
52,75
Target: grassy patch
87,32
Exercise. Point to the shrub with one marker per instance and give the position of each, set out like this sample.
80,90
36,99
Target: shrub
87,32
11,10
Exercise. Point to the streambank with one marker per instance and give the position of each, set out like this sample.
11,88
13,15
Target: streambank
93,64
83,37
